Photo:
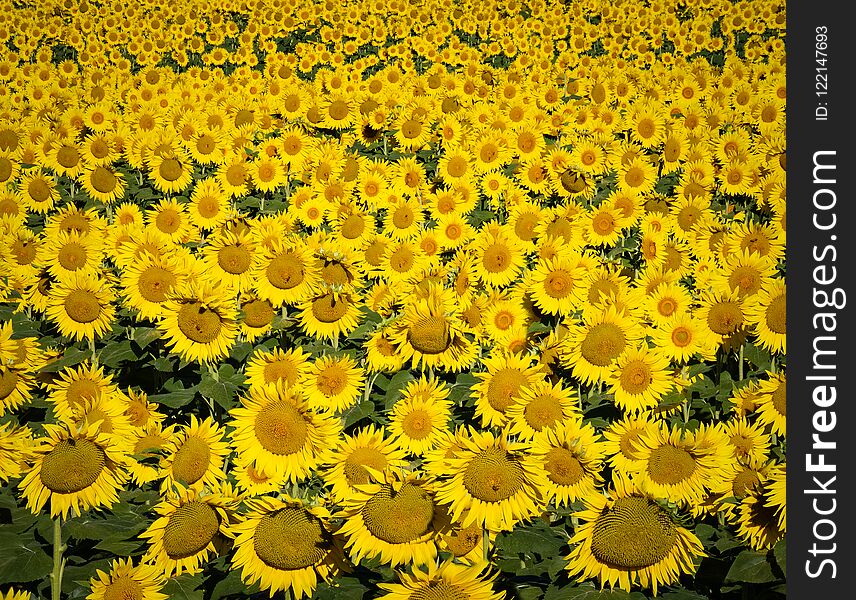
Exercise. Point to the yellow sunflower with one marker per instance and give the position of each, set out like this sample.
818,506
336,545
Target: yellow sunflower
188,530
229,258
76,469
200,321
147,281
772,403
360,459
639,378
681,465
629,539
591,348
539,407
81,306
395,521
283,544
286,273
16,445
194,457
556,285
276,429
277,367
333,384
567,461
499,256
326,315
767,312
446,580
421,416
124,580
488,481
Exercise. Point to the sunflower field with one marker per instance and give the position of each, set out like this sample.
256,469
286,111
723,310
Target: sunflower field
363,299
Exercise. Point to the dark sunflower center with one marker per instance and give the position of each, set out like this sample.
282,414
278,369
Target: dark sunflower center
603,343
634,533
258,313
124,588
235,259
497,258
503,388
281,428
103,180
154,283
558,283
355,471
72,466
353,227
170,169
775,315
72,256
636,377
493,475
417,424
669,465
399,517
285,271
725,317
543,411
199,323
329,309
779,402
190,529
191,461
290,539
463,541
82,306
430,335
8,382
563,467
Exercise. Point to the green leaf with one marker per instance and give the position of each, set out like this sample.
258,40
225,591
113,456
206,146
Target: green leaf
339,589
750,567
231,585
572,592
71,356
539,538
175,399
221,393
145,336
358,412
116,353
396,384
22,557
780,553
184,587
683,595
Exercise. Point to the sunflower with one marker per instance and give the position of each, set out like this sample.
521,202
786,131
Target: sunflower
638,176
503,317
748,440
539,407
591,348
283,544
253,481
103,183
723,313
275,429
381,354
556,285
16,444
680,465
766,311
81,306
670,300
189,528
360,459
395,521
277,367
76,469
566,460
772,404
286,273
639,378
74,386
15,388
37,190
107,415
430,334
498,256
147,281
146,449
170,219
621,441
171,173
421,416
757,521
488,481
332,384
329,314
124,580
11,594
446,580
200,321
501,385
194,457
208,207
229,258
629,538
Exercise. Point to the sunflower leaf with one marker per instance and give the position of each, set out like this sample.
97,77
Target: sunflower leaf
184,587
22,557
750,567
116,353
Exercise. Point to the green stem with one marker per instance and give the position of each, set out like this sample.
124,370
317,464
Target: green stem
92,350
740,364
58,560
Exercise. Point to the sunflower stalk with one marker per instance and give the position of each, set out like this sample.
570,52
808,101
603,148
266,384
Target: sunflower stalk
58,560
740,363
